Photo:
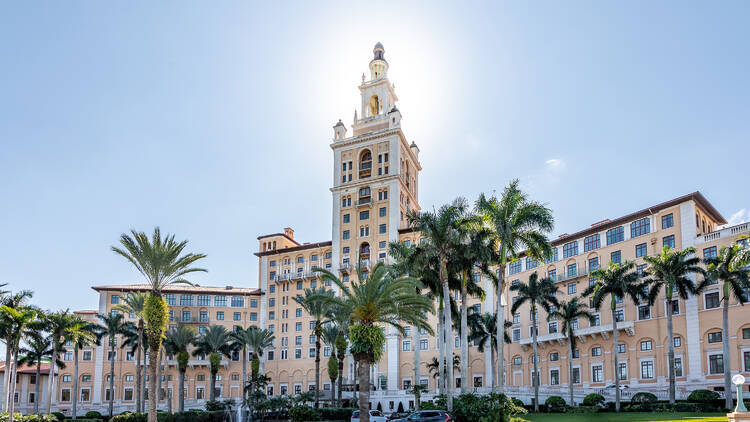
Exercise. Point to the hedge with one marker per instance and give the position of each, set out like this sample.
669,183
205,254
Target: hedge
336,413
83,420
593,399
555,404
28,418
93,414
643,397
302,413
188,416
703,396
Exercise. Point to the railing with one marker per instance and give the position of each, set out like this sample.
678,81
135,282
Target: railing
365,166
580,272
727,232
626,326
345,266
363,201
195,319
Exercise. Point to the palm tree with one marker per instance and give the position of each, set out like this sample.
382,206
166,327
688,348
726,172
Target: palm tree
735,279
568,313
80,334
254,340
483,329
18,323
213,343
537,292
672,271
433,366
177,343
58,325
16,300
315,304
377,298
615,282
444,231
134,304
38,347
520,224
110,326
330,334
162,263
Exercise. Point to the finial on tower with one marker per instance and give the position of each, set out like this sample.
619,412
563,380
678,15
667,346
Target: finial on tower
378,65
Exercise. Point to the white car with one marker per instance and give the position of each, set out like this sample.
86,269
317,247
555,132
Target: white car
375,416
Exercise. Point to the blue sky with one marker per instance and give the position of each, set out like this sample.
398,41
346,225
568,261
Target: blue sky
213,120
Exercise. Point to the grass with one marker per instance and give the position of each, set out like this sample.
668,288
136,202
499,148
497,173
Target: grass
625,417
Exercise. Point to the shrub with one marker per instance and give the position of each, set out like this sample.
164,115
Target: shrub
643,397
593,399
583,409
517,402
93,414
214,405
303,413
83,420
702,396
29,418
555,404
59,415
335,413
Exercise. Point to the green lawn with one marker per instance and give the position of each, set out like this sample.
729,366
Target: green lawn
625,417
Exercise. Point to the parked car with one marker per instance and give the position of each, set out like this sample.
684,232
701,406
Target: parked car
375,416
612,387
426,416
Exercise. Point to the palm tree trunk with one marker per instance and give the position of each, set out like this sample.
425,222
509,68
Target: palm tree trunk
12,390
112,376
570,369
448,327
616,358
417,363
51,378
75,381
341,376
493,355
38,385
670,351
166,386
138,369
181,393
158,378
441,353
535,375
212,394
464,340
153,363
725,350
143,382
317,365
244,381
500,327
364,390
6,375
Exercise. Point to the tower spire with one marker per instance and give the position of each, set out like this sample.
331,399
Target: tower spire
378,65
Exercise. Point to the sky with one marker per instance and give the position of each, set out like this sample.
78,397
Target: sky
213,120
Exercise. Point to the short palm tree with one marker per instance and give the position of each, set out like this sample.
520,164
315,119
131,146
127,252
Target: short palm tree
444,230
568,313
319,310
110,326
378,298
671,270
735,280
178,341
520,225
134,303
617,281
38,347
330,334
15,300
18,323
482,331
81,333
253,340
539,292
213,343
162,263
58,325
433,366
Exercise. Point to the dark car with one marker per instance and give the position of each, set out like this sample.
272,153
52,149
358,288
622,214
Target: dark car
426,416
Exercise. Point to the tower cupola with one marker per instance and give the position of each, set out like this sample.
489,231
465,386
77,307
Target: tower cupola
378,65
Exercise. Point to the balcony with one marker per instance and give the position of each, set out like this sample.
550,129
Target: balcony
195,320
364,202
582,334
581,272
725,232
345,266
283,277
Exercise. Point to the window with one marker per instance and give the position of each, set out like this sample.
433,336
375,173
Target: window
221,300
552,327
271,315
204,300
746,333
647,369
382,228
572,270
65,394
406,345
591,242
220,314
554,356
714,337
87,355
576,375
623,370
594,263
85,394
667,221
621,348
346,218
516,334
712,300
746,356
644,312
570,249
364,215
382,212
640,250
298,353
171,300
186,300
668,241
675,307
514,267
115,299
237,316
640,227
364,231
516,318
253,316
576,354
597,374
615,235
615,257
423,344
640,269
678,367
646,345
596,351
574,324
716,364
298,312
597,320
299,285
620,315
298,326
677,341
552,258
345,235
572,288
709,252
66,378
554,377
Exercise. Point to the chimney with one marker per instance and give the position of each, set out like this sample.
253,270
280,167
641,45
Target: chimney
289,232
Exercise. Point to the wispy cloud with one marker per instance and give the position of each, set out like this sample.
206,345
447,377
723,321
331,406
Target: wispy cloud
740,216
555,164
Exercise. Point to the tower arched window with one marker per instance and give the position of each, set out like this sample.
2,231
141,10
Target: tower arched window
365,164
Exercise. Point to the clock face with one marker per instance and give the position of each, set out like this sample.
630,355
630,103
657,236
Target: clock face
738,379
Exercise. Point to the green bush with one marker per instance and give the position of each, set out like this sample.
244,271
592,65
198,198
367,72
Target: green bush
555,404
517,402
702,396
214,405
643,397
428,405
336,413
302,413
93,414
593,399
59,415
583,409
188,416
28,418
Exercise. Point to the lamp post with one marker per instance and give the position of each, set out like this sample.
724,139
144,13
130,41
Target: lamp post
739,380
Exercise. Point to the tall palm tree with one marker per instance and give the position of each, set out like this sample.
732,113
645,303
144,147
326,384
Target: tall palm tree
735,280
15,300
341,317
177,342
58,325
213,343
672,271
520,225
80,333
162,263
134,304
330,334
483,329
537,292
433,366
18,322
378,298
253,340
568,314
617,281
110,326
314,303
38,347
444,231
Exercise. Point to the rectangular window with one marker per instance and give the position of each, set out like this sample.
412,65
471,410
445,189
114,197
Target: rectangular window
345,235
552,258
516,334
220,316
364,215
621,348
714,337
640,269
640,250
514,267
615,235
220,301
237,316
382,228
716,364
668,241
204,300
171,299
115,299
712,300
186,300
597,373
516,318
644,312
596,351
423,344
554,377
678,367
646,346
530,263
640,227
594,263
620,315
572,288
677,341
667,221
576,375
615,257
238,302
570,249
623,371
552,327
406,345
591,242
709,252
647,369
746,356
745,333
572,270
